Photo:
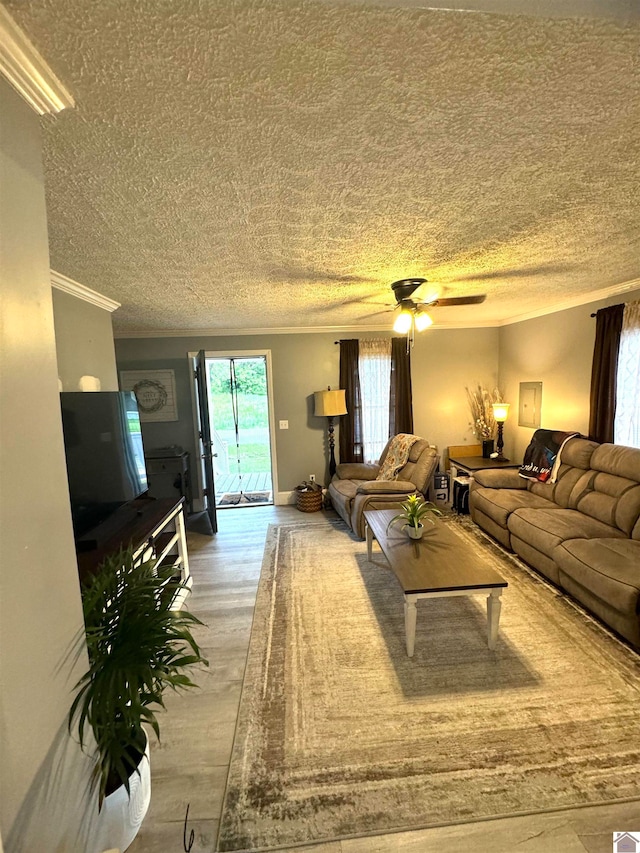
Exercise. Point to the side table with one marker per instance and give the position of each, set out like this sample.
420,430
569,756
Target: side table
470,464
462,469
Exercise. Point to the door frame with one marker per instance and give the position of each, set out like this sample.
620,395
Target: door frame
245,353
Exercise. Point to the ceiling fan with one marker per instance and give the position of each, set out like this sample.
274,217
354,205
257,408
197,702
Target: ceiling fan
413,316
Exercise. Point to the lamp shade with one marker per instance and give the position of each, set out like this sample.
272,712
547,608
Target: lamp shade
500,411
330,403
423,321
403,322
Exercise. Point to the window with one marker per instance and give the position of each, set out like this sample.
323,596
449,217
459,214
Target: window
375,372
376,378
627,417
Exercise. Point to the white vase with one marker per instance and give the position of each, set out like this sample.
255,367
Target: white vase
122,814
415,532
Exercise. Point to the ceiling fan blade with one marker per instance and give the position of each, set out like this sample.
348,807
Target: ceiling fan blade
517,272
456,300
332,306
376,313
293,274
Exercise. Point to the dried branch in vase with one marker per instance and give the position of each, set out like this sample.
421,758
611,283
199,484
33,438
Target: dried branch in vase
481,401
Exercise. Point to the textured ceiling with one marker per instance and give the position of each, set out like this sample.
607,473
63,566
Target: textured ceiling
264,164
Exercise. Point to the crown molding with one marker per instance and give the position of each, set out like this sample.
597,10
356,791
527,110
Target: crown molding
28,73
68,285
233,333
586,299
292,330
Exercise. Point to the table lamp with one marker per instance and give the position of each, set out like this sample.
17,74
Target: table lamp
330,404
500,413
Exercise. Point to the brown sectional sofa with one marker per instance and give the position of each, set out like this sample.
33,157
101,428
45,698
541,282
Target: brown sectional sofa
581,532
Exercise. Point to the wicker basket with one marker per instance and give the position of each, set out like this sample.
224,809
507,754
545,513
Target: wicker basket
308,501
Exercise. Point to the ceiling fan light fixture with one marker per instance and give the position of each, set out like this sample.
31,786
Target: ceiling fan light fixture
403,321
423,321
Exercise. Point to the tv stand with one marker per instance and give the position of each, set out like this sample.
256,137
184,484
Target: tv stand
155,530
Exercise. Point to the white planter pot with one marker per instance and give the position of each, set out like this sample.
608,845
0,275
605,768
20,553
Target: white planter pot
415,532
122,814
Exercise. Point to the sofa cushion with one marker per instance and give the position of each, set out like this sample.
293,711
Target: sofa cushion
346,488
578,452
499,478
608,568
609,498
423,461
342,493
544,529
560,491
576,458
386,487
498,504
355,471
617,459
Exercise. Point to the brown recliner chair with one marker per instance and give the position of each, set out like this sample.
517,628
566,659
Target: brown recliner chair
354,487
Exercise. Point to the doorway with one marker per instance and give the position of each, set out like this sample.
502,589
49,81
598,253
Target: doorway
241,429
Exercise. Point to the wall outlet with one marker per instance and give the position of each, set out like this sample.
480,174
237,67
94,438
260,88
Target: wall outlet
312,478
284,424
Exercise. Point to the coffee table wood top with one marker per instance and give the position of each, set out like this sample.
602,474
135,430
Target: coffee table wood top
439,562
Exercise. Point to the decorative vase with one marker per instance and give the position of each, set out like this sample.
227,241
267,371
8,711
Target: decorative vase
487,448
415,532
122,813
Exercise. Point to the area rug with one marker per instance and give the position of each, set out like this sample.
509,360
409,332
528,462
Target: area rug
243,498
340,734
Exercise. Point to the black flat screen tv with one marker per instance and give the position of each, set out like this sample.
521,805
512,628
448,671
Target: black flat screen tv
105,454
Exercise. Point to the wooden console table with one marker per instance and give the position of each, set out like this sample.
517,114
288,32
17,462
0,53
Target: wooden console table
154,528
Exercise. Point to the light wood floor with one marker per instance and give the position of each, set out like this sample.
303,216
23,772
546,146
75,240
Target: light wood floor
190,765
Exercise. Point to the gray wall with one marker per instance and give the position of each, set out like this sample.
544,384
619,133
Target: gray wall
557,350
40,608
302,364
443,362
84,342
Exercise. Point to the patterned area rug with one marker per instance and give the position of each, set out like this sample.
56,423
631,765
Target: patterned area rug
244,498
340,734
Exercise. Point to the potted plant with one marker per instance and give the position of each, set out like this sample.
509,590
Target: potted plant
138,647
414,510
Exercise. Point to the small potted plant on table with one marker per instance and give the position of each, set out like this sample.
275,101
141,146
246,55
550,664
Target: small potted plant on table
138,646
415,510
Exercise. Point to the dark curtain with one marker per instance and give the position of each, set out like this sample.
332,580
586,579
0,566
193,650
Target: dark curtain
400,398
351,423
604,373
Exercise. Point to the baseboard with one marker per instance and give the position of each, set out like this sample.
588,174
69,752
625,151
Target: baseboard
284,498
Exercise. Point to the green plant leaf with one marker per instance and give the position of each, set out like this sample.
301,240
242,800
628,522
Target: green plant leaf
138,648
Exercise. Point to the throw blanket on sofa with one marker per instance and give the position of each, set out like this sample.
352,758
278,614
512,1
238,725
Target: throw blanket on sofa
542,458
397,456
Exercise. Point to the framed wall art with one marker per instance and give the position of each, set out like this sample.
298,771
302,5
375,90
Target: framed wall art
530,404
155,392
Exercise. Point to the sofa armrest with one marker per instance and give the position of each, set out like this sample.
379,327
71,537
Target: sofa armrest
387,487
500,478
356,471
